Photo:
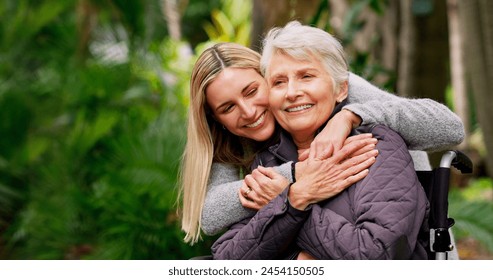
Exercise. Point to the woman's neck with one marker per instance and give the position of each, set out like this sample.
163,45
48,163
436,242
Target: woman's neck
303,142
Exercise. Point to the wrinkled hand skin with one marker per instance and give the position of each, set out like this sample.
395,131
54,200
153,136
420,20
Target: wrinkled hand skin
320,179
332,136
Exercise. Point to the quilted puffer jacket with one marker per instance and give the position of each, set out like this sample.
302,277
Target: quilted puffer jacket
383,216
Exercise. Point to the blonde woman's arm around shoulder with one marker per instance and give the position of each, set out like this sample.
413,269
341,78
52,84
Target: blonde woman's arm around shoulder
423,123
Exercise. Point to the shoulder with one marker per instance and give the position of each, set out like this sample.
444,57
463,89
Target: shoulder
383,133
392,174
359,89
393,154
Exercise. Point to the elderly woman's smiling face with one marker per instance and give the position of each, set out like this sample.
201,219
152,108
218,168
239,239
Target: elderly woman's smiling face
302,95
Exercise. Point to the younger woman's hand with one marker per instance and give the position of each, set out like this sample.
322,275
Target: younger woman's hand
260,187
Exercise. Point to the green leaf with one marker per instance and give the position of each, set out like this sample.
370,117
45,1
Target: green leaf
378,6
85,134
223,24
472,216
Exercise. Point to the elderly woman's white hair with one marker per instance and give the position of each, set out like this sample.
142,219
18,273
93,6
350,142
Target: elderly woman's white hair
299,42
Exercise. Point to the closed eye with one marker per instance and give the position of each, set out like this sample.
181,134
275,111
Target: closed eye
251,92
277,82
227,108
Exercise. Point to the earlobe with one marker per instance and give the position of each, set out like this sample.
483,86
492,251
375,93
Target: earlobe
343,92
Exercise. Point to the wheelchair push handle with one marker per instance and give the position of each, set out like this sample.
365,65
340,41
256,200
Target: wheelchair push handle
458,160
440,241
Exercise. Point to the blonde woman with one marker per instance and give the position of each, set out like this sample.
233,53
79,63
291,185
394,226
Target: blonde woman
230,121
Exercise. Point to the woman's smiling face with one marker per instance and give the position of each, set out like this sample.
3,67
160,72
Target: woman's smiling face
302,95
239,100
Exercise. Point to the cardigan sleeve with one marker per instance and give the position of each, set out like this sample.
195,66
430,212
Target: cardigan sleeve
222,207
423,123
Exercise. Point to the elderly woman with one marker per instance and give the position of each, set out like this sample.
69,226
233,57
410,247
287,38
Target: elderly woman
379,217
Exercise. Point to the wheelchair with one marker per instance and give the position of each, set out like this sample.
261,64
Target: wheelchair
436,185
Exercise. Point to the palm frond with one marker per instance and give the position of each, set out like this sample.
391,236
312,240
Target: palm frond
472,212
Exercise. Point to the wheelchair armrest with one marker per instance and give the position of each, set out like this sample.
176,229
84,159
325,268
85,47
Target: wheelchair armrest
458,160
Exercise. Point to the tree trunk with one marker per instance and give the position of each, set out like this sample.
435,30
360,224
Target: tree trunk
461,104
338,11
432,56
407,51
477,31
387,53
86,22
172,17
271,13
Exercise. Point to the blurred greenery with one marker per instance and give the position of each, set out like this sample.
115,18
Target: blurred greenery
360,62
471,208
230,26
93,102
92,131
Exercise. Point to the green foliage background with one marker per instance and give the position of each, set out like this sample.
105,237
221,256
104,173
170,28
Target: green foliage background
93,99
91,130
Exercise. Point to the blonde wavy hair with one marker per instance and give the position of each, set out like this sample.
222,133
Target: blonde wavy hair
207,140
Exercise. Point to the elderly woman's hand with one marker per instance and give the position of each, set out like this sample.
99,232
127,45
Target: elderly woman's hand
317,179
260,187
332,137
